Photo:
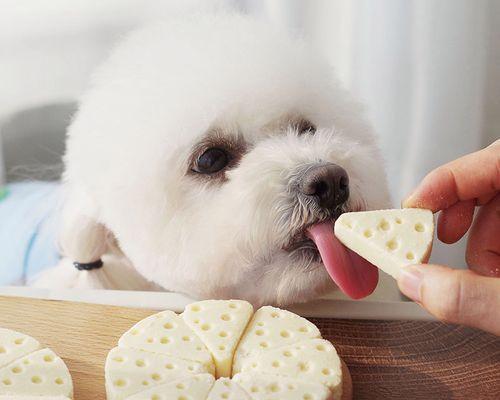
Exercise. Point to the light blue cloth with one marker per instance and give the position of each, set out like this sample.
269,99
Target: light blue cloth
29,214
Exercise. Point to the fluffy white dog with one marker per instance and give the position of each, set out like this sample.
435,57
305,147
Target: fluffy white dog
211,156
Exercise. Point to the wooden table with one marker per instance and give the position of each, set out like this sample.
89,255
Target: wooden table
388,360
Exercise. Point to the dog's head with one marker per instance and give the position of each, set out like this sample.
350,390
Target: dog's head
213,149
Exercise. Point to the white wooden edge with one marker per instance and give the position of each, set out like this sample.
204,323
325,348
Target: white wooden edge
324,308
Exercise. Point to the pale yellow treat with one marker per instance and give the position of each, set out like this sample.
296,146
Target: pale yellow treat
41,373
227,389
219,324
130,371
195,387
14,345
269,328
312,360
279,355
167,333
274,387
389,239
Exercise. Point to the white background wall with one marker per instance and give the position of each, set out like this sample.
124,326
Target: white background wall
427,70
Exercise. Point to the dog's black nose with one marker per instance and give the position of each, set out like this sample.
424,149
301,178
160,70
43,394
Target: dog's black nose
328,183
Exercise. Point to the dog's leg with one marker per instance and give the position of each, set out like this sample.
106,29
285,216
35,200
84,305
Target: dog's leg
91,259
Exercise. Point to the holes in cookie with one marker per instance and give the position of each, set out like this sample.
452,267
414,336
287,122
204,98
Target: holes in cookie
140,363
410,256
274,387
48,358
169,366
205,327
155,397
156,377
392,244
164,340
254,389
7,382
307,396
19,341
303,366
134,332
150,340
260,323
303,329
233,305
264,345
347,224
368,233
180,386
145,383
320,347
223,334
399,221
222,347
274,314
291,386
36,379
259,332
119,383
16,370
168,325
225,317
186,339
285,334
58,381
326,371
224,395
191,368
195,308
384,225
275,364
287,353
182,398
118,359
2,350
419,227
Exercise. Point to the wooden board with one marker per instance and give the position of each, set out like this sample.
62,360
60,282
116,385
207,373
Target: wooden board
387,360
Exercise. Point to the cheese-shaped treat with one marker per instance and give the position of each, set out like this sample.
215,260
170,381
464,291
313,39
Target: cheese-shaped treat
227,389
167,333
220,325
14,345
195,387
389,239
273,387
269,328
130,371
275,355
41,373
314,360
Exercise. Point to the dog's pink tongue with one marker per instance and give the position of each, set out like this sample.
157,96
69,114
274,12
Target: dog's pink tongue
355,276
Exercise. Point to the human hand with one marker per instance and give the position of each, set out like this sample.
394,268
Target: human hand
465,297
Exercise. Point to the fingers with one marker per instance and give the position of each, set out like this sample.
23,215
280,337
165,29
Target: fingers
483,247
457,296
454,221
476,175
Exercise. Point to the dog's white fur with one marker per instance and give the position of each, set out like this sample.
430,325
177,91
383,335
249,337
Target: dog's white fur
131,197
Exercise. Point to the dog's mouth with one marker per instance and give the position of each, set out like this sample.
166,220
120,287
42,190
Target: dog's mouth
355,276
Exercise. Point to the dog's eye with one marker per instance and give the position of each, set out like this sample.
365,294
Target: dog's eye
304,126
211,161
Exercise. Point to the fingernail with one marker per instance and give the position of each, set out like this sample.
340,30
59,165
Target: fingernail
409,282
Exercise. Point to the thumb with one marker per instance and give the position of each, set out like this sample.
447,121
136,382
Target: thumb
457,296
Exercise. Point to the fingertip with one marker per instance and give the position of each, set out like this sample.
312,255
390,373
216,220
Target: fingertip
455,221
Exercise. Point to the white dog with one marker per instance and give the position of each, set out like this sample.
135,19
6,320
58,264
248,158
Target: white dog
206,155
